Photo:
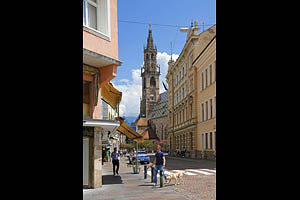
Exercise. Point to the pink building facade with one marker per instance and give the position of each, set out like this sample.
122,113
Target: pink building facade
100,63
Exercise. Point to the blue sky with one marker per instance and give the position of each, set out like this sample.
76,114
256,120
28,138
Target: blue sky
132,38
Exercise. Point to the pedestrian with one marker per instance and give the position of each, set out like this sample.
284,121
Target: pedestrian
160,163
115,161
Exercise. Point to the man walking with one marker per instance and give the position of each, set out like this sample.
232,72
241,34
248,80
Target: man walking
115,161
160,163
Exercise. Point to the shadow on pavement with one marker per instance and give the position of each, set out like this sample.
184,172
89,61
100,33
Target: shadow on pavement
110,180
146,185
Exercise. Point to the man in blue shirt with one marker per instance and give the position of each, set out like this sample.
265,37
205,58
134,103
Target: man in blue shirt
160,163
115,160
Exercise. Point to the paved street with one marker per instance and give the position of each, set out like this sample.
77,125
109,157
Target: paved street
199,182
199,177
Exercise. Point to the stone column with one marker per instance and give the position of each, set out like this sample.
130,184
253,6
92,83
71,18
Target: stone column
97,158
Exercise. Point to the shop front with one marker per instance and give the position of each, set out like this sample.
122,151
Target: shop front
92,150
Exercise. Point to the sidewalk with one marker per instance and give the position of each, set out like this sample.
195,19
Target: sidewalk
129,186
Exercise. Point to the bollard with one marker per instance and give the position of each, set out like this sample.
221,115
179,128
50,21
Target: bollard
145,172
161,178
152,175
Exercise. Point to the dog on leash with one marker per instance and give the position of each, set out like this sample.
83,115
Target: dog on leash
178,177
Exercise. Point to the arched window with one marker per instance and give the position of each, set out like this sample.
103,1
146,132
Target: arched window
144,82
152,56
147,57
152,82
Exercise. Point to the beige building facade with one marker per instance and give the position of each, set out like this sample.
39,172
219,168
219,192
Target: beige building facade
182,115
192,96
205,70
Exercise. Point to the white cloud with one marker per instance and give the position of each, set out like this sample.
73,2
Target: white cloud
131,92
162,60
132,89
124,81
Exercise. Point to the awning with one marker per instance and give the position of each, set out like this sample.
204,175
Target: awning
111,95
129,132
107,125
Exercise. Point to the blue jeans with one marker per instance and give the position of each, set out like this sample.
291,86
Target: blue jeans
156,168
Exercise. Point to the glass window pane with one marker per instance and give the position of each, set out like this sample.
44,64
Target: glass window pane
92,16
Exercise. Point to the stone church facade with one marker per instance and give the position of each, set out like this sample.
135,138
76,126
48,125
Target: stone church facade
150,78
152,103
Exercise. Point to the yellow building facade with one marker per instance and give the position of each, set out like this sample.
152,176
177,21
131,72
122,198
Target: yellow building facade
192,92
204,65
182,117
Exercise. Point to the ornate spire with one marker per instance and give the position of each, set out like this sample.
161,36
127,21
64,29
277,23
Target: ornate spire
150,39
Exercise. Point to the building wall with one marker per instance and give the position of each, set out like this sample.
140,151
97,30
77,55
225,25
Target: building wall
205,67
182,99
95,43
108,47
160,125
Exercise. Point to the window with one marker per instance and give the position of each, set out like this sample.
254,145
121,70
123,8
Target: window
179,95
206,106
202,112
210,74
215,106
180,75
179,117
206,140
191,110
202,141
206,78
211,108
202,81
144,82
210,139
215,140
86,99
152,82
96,15
191,84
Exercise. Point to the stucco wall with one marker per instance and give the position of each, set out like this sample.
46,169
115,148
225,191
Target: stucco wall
100,45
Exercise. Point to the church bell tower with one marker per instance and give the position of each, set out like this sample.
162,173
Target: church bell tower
150,78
